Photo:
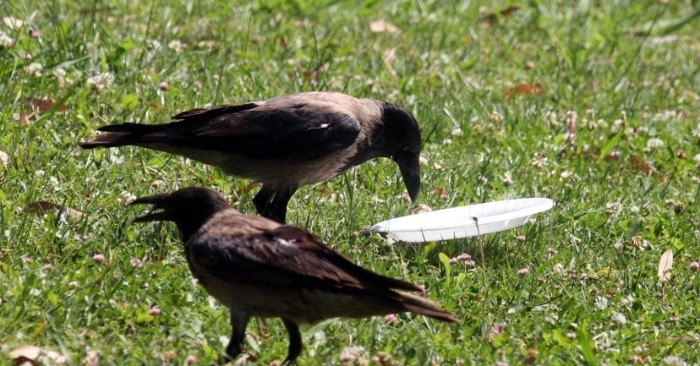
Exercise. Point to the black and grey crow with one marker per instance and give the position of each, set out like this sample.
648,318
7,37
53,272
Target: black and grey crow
285,142
258,267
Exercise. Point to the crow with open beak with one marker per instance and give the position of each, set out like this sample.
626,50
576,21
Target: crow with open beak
285,142
258,267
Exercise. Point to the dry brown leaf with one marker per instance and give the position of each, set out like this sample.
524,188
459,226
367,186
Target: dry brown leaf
247,188
665,265
640,165
43,105
33,355
442,192
44,207
420,208
380,26
310,75
531,358
389,57
491,18
524,89
24,355
323,191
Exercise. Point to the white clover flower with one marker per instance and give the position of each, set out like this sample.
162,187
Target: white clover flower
176,46
6,41
422,160
619,318
654,143
352,354
101,81
496,117
59,73
674,361
4,159
34,68
618,124
539,162
566,175
125,197
154,45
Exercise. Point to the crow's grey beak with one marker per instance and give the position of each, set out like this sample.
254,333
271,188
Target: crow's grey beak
410,171
157,212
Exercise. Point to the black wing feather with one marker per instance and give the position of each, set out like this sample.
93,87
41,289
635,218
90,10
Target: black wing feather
276,133
286,256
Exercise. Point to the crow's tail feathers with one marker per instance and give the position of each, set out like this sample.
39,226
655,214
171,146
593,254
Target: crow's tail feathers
125,134
423,306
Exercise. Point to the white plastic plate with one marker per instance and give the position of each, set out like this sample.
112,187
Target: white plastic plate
464,221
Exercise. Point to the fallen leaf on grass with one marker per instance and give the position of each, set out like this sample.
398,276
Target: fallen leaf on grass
44,207
491,18
665,265
389,57
640,165
43,105
323,191
442,192
420,208
380,26
25,354
636,163
33,355
247,188
524,89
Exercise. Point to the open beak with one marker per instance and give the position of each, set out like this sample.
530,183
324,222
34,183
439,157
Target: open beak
410,171
157,212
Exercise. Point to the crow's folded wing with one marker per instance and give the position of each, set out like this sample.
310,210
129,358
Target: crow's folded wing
285,256
303,131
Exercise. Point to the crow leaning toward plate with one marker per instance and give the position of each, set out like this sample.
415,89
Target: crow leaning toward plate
258,267
285,142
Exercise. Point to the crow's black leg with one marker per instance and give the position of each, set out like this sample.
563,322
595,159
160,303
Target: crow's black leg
295,343
272,203
262,200
239,321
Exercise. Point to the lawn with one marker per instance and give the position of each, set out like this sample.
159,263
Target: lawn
595,105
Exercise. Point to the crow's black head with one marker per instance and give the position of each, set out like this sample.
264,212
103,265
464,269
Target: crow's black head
189,208
402,143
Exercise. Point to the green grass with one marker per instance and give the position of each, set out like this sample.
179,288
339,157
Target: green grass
592,260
